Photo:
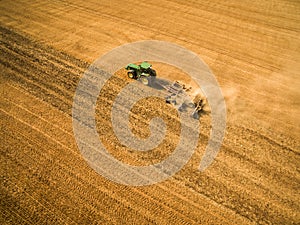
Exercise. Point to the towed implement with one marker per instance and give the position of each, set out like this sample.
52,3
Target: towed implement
178,97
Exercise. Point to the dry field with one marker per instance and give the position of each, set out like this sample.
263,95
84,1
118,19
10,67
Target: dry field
252,47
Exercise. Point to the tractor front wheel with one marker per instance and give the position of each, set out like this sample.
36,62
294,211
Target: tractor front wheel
145,80
131,75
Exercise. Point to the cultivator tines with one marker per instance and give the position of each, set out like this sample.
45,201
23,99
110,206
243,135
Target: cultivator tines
175,92
177,96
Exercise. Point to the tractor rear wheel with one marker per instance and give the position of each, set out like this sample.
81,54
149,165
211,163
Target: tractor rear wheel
153,73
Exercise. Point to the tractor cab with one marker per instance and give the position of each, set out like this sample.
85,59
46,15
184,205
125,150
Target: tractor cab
132,66
145,65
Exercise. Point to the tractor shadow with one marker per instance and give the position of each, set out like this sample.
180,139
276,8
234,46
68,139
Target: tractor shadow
160,84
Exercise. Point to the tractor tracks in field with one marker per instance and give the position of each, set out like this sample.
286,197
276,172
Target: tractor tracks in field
58,164
40,75
22,56
211,37
27,70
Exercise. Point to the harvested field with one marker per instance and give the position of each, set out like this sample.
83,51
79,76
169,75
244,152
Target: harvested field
253,49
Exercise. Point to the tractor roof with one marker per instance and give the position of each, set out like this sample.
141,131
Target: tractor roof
145,65
132,65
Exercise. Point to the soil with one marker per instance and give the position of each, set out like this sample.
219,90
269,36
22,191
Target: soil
252,48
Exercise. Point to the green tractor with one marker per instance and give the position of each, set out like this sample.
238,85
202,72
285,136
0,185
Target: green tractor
142,72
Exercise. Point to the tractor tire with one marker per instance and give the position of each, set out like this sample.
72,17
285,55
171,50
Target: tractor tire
131,75
144,80
153,72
